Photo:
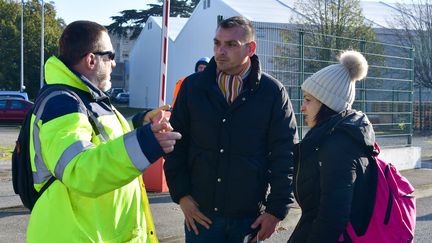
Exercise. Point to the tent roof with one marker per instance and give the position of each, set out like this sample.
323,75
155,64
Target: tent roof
270,11
175,25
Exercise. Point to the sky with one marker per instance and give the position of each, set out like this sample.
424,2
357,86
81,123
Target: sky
100,11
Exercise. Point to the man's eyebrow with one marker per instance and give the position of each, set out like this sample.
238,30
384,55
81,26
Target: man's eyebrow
227,41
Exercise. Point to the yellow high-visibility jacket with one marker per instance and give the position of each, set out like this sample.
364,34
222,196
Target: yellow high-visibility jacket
99,194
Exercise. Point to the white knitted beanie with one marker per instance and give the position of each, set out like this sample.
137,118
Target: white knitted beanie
334,85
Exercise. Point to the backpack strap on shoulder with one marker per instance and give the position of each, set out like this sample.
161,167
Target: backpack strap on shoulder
43,174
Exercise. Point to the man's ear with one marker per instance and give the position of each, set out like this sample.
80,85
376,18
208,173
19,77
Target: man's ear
252,48
89,61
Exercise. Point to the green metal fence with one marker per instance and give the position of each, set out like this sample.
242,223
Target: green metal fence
385,95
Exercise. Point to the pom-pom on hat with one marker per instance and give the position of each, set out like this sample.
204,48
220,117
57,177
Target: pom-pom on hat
334,85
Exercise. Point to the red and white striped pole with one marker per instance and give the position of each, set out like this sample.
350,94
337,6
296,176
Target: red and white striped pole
164,53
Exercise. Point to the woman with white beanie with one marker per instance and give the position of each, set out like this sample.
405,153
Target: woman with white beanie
333,182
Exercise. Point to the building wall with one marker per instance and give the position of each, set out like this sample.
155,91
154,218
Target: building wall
144,68
122,46
196,40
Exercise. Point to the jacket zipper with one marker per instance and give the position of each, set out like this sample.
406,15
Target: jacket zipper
297,174
296,192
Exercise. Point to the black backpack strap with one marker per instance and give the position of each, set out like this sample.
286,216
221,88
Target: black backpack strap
46,185
96,125
347,238
47,93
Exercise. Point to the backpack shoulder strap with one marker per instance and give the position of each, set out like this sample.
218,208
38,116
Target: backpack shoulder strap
44,96
41,100
56,89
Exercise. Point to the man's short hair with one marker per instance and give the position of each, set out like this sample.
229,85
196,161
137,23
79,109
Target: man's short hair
242,22
78,39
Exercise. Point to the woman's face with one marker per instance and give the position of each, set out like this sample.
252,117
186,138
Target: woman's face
310,108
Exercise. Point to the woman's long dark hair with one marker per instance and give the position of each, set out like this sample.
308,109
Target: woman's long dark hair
324,113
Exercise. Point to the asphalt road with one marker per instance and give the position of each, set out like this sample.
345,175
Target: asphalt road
13,222
423,232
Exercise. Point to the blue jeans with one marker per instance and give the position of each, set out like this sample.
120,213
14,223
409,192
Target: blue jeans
222,229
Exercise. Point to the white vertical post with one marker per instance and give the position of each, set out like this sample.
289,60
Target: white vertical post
164,53
22,87
42,45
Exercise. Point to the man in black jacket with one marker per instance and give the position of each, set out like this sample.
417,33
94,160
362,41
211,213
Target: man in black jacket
238,130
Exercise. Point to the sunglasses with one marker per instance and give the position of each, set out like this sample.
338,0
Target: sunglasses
111,55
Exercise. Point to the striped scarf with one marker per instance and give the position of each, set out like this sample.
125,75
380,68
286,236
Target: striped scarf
232,85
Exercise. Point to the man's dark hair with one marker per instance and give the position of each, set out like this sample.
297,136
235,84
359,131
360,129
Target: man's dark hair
78,39
242,22
324,113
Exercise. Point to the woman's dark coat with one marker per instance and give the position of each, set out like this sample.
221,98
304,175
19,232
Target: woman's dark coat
334,182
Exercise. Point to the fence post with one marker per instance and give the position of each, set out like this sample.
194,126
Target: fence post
420,110
219,19
394,125
300,80
411,76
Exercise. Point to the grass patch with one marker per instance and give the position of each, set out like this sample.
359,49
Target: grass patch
6,152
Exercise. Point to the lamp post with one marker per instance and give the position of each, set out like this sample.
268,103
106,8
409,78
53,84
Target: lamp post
22,87
42,46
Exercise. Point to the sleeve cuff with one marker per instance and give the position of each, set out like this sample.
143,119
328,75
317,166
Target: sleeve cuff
148,143
281,214
138,119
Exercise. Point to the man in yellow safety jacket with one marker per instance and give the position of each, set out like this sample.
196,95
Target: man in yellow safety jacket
89,147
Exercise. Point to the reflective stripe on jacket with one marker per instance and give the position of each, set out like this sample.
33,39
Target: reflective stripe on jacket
99,195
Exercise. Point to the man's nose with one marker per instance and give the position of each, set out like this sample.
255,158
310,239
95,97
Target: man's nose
220,50
113,64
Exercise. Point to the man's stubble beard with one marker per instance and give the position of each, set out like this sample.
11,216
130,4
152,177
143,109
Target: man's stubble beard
105,85
103,81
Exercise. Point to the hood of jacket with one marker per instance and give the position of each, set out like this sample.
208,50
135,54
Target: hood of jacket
56,72
353,123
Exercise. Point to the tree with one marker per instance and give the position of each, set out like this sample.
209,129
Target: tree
326,27
132,21
335,24
413,27
10,42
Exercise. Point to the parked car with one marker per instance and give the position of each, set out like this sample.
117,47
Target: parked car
13,94
14,109
122,97
113,92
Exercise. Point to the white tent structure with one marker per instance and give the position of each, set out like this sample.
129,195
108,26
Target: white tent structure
145,59
189,43
191,39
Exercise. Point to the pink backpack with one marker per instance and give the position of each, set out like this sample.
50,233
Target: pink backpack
394,214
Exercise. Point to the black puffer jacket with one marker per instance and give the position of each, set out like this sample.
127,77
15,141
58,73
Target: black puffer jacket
334,181
229,154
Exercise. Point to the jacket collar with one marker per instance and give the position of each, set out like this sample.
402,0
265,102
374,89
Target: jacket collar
252,81
351,122
56,72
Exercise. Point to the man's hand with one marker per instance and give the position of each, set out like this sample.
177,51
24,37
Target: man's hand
192,214
156,114
268,224
165,136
